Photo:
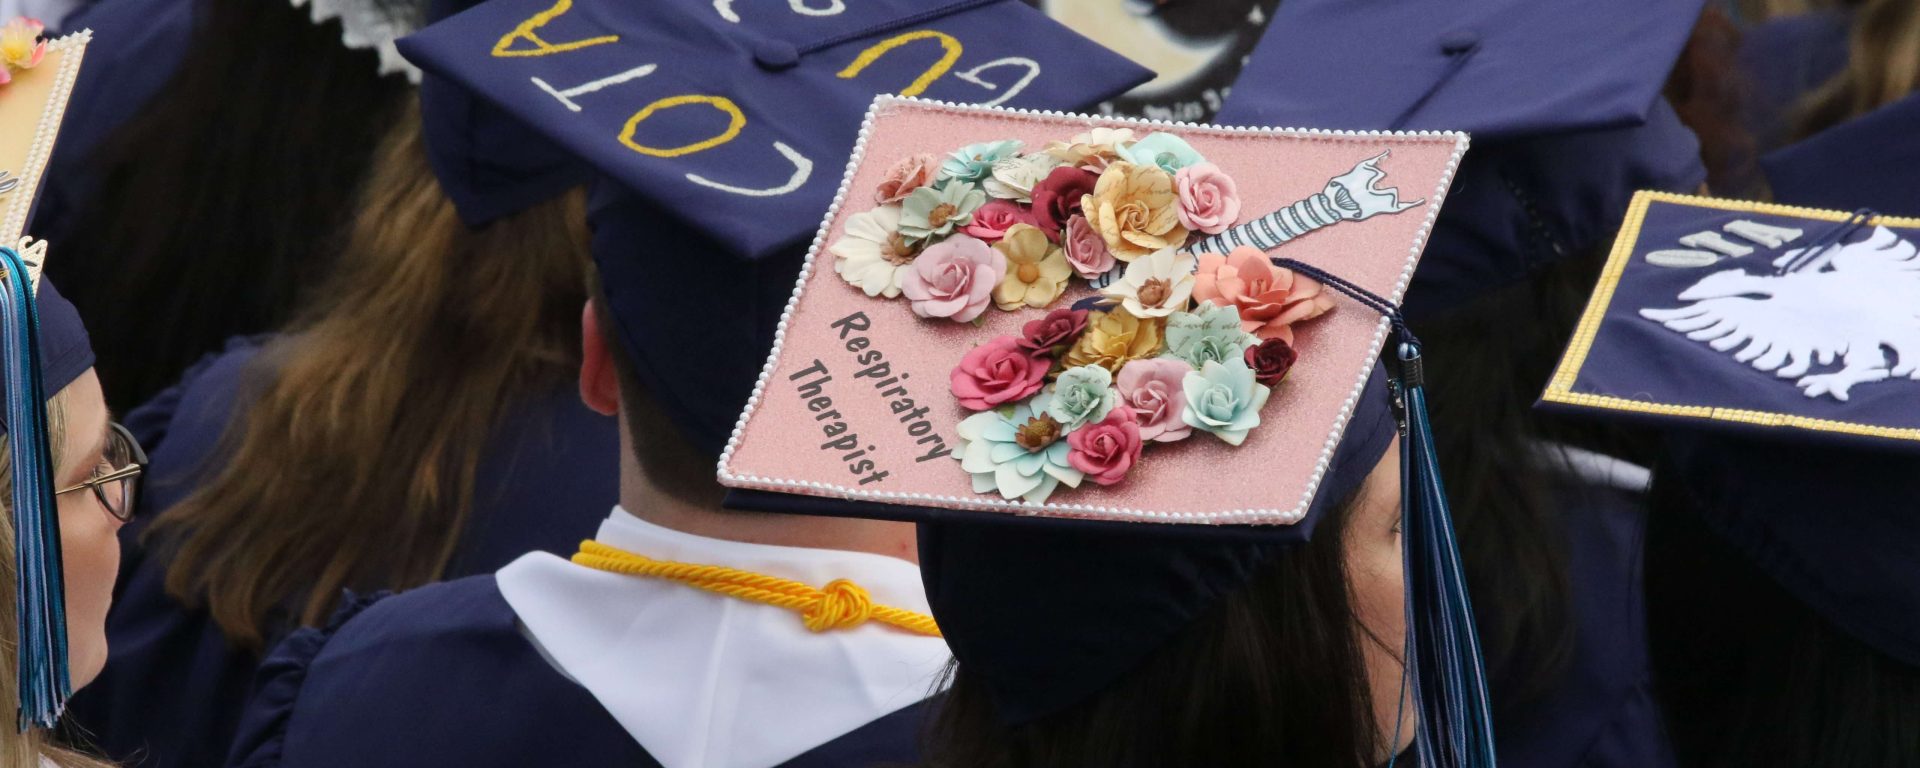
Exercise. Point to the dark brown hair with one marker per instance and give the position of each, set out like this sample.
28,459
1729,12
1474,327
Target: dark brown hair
353,463
1709,94
1883,66
1749,676
213,208
1274,674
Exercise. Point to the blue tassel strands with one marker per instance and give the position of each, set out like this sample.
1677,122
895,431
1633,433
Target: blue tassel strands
40,592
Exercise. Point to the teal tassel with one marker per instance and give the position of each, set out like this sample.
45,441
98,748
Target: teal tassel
40,595
1449,683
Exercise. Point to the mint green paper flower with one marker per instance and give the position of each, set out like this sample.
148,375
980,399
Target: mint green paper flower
1016,453
1166,150
1210,333
929,212
1080,395
1223,399
973,163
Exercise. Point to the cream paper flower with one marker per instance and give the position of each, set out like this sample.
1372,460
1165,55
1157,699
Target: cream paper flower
1155,286
1014,177
871,253
1092,150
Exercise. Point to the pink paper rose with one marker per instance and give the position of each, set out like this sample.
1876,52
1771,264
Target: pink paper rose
1209,201
1270,299
998,372
991,221
906,176
1055,332
1151,389
1086,249
1105,450
1057,197
954,279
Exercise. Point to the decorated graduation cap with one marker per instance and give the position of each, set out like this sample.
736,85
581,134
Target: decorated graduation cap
1779,350
490,163
43,348
1868,161
1563,99
719,129
1114,367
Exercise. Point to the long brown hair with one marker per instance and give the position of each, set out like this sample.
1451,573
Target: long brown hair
1883,66
353,463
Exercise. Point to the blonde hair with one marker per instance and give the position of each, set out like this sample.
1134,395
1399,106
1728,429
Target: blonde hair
1883,66
30,749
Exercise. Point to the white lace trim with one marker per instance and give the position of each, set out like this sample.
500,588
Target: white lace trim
372,24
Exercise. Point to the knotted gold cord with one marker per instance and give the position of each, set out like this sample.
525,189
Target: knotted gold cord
842,604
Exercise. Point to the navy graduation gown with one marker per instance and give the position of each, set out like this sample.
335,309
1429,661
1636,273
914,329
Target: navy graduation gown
1601,713
442,676
173,687
1784,60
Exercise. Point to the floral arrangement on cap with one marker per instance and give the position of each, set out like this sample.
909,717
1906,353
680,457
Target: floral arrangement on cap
20,47
1174,345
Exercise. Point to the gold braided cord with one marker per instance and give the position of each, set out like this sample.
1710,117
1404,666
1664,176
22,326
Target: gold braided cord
841,604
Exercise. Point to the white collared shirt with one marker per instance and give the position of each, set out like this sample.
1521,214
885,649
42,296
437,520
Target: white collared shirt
703,680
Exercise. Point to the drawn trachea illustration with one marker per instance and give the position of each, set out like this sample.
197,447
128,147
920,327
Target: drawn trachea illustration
1352,196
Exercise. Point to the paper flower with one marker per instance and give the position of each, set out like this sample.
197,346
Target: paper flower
1057,197
1270,298
974,162
1171,153
1224,399
904,177
1016,453
992,221
929,212
1086,249
1079,396
1134,208
1270,360
1053,334
20,46
998,372
1155,286
1152,390
1093,150
1209,200
954,279
1037,271
871,254
1105,450
1113,338
1209,334
1014,178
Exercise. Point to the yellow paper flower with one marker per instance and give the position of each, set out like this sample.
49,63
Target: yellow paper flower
20,44
1135,210
1092,150
1113,339
1037,270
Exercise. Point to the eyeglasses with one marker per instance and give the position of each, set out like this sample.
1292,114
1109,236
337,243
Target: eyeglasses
115,488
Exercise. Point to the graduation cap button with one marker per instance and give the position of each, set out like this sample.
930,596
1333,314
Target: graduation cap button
775,55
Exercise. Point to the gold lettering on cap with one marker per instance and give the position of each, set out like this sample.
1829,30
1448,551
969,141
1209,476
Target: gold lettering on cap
525,31
736,120
919,85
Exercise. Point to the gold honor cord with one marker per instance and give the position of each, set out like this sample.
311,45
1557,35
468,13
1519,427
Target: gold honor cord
842,604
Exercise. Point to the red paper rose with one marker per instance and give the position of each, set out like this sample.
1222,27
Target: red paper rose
1058,196
1060,328
1106,449
992,221
1270,360
998,372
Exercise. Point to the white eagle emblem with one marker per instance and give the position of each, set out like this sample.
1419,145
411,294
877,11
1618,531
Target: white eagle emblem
1858,301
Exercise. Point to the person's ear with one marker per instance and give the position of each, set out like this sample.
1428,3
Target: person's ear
599,383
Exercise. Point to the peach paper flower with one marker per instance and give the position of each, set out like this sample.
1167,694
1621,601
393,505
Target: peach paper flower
1135,209
904,177
1270,298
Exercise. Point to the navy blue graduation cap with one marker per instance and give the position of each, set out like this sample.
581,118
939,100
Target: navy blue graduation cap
1779,350
1869,161
489,162
43,348
1562,98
